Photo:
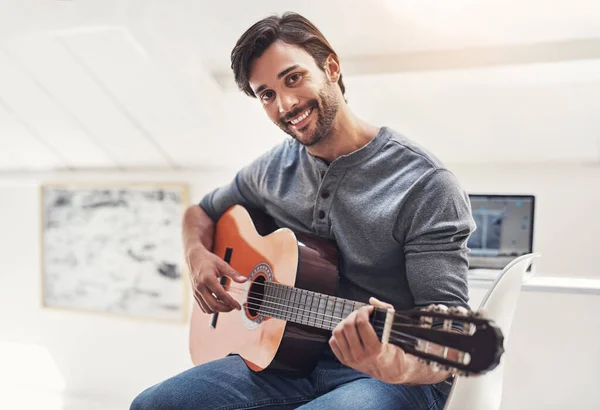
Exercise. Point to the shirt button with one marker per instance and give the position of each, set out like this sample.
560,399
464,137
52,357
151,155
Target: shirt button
321,214
325,194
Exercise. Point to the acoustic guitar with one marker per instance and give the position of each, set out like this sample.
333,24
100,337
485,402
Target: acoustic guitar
289,307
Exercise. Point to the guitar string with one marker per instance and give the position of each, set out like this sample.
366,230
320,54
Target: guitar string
292,310
274,285
321,296
326,297
323,319
398,336
395,335
330,322
320,316
298,309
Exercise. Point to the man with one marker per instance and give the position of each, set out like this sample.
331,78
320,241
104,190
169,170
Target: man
398,217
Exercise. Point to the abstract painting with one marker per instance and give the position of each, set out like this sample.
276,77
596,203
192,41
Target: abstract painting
114,249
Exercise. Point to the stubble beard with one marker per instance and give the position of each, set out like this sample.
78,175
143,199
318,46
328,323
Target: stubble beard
326,112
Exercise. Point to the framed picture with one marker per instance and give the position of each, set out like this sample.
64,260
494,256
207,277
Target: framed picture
114,249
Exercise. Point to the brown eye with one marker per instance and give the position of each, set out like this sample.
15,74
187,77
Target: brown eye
266,96
294,78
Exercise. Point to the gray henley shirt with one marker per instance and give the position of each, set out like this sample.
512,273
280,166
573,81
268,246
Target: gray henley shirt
399,218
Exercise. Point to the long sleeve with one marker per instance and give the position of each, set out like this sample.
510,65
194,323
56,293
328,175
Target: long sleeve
434,225
244,189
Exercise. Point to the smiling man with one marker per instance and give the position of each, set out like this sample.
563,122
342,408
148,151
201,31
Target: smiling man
398,217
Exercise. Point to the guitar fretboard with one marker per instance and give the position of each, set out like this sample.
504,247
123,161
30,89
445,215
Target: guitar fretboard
305,307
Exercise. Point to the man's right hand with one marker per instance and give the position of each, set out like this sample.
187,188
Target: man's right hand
206,269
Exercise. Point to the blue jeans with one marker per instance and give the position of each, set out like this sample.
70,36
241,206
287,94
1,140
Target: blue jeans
228,384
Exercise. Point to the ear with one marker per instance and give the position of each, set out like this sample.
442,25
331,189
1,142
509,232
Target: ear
333,68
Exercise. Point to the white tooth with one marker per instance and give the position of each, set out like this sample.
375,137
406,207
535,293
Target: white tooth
303,116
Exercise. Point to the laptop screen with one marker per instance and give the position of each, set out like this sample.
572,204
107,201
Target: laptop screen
504,228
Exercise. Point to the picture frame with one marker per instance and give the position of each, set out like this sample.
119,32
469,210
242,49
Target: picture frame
115,249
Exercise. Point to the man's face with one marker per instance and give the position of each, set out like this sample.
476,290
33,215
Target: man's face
295,92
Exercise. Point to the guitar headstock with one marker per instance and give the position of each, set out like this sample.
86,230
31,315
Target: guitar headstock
454,339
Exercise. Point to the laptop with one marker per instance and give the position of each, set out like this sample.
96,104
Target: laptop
504,229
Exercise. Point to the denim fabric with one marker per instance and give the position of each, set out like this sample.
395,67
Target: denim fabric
228,384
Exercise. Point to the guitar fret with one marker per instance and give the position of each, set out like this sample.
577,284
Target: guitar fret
295,310
303,299
263,305
292,308
289,311
349,308
318,315
334,317
277,307
325,317
286,303
315,309
298,299
338,311
267,302
329,311
312,310
268,305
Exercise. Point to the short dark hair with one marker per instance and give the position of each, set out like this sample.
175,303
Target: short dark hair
292,28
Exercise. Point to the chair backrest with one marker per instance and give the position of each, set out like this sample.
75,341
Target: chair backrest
499,304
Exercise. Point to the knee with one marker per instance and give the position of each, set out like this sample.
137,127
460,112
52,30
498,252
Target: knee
140,402
154,398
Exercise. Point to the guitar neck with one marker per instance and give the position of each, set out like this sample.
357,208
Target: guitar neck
306,307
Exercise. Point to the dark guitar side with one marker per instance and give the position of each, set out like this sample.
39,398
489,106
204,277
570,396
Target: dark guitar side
317,271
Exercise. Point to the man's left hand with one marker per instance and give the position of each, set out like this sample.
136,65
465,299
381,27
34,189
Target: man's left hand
356,345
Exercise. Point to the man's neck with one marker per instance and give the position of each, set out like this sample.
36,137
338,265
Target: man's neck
349,134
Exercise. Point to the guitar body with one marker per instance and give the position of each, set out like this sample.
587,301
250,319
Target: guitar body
260,250
289,308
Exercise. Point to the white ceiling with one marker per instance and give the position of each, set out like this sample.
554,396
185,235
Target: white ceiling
146,83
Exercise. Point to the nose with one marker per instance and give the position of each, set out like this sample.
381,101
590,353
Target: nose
287,101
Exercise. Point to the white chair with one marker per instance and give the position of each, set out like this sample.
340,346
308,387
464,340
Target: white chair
499,304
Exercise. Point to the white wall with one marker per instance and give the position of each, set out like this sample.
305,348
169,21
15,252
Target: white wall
109,360
102,358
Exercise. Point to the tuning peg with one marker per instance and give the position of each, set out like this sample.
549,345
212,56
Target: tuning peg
453,370
459,310
480,313
437,308
423,361
447,326
453,310
426,321
435,366
469,328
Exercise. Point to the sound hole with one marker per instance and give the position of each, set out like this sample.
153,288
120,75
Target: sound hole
256,295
